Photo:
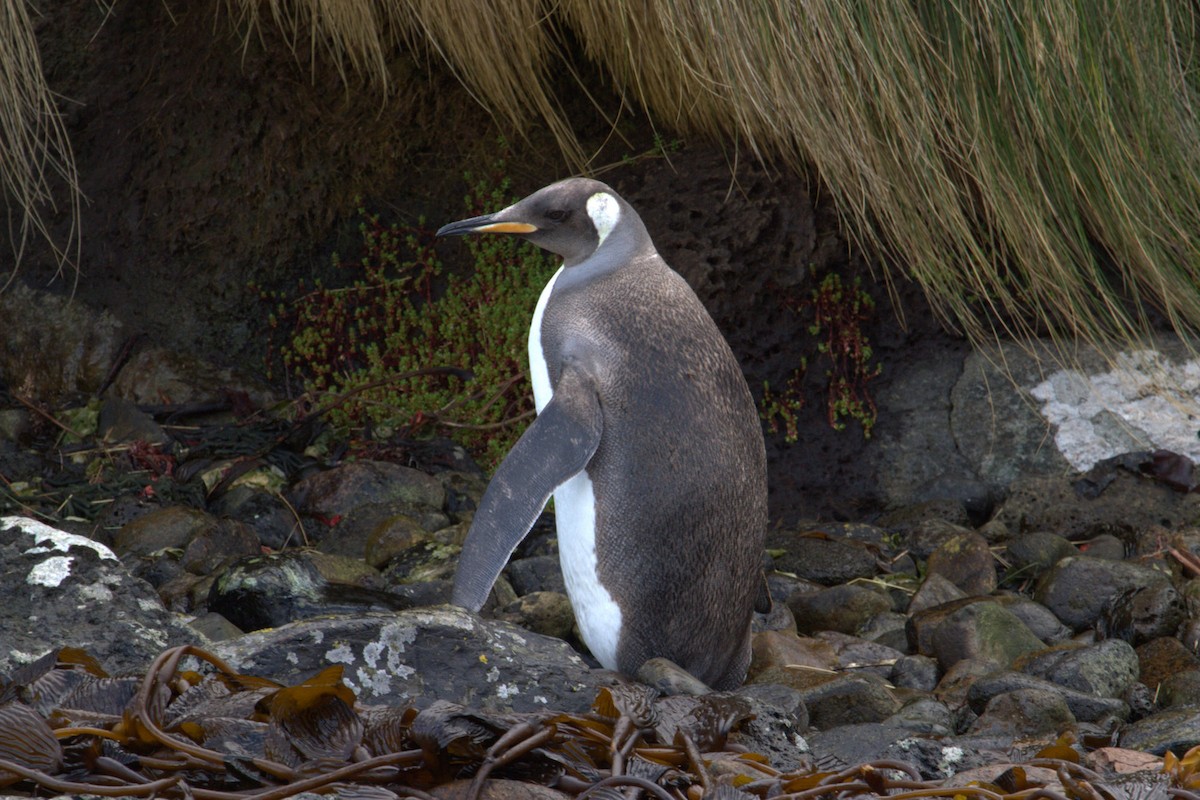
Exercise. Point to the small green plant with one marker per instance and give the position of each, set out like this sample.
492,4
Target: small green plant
781,410
839,312
837,317
399,350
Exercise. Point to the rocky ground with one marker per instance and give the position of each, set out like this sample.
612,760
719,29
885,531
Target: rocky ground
945,638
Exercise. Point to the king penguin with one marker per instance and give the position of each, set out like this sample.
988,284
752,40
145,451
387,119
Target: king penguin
647,437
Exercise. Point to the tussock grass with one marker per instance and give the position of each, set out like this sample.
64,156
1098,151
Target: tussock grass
1032,164
35,152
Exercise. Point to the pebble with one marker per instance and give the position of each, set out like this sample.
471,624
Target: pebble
974,628
966,561
1104,669
820,558
1025,713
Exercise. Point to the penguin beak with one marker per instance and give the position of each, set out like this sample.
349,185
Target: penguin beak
485,224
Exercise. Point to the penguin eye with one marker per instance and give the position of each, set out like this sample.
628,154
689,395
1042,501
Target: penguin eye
557,215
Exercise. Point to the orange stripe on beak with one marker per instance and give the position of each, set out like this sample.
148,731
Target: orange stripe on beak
507,227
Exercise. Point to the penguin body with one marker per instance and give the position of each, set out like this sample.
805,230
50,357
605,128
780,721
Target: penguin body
646,436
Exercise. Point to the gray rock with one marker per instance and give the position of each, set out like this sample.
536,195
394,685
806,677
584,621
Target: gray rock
925,715
348,487
1028,713
915,672
270,590
821,559
1143,613
1104,669
966,561
995,420
780,717
928,535
1078,589
976,628
1084,707
264,512
1104,545
547,613
1128,504
1036,617
848,700
935,590
1181,689
860,655
844,608
61,590
1160,658
1176,731
1033,553
55,345
422,655
122,421
536,574
934,757
157,372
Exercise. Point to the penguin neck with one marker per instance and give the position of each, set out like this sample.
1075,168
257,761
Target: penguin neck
613,254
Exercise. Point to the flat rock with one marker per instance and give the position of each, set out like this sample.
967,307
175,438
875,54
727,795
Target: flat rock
421,655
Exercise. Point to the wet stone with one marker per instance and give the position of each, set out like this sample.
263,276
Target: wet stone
343,489
914,672
975,628
1104,669
427,561
926,537
935,590
264,512
1143,613
780,649
925,715
849,699
887,629
1105,545
1180,689
844,608
1024,712
165,528
391,537
1078,589
1036,617
821,559
536,574
859,655
966,561
547,613
1084,707
267,591
1174,731
1033,553
1160,658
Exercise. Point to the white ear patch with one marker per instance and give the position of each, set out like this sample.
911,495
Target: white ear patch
605,212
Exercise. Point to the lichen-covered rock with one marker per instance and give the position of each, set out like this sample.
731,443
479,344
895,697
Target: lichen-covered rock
62,590
421,655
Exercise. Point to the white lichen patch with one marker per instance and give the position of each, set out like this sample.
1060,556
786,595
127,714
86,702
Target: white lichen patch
49,539
493,675
340,654
50,573
99,593
1144,402
506,690
374,680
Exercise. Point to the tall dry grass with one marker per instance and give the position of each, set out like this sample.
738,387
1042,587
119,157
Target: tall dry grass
35,152
1032,163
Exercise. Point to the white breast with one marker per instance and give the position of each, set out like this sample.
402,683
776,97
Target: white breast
598,615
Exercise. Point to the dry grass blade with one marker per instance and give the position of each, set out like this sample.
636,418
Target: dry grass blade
1034,166
35,152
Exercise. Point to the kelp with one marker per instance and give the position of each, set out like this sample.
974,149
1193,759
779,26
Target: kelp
194,727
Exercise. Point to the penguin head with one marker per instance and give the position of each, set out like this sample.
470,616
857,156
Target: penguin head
572,218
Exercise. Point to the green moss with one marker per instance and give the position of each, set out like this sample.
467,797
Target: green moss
404,348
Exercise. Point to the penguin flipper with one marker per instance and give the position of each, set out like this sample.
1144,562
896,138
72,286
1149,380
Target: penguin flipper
554,448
